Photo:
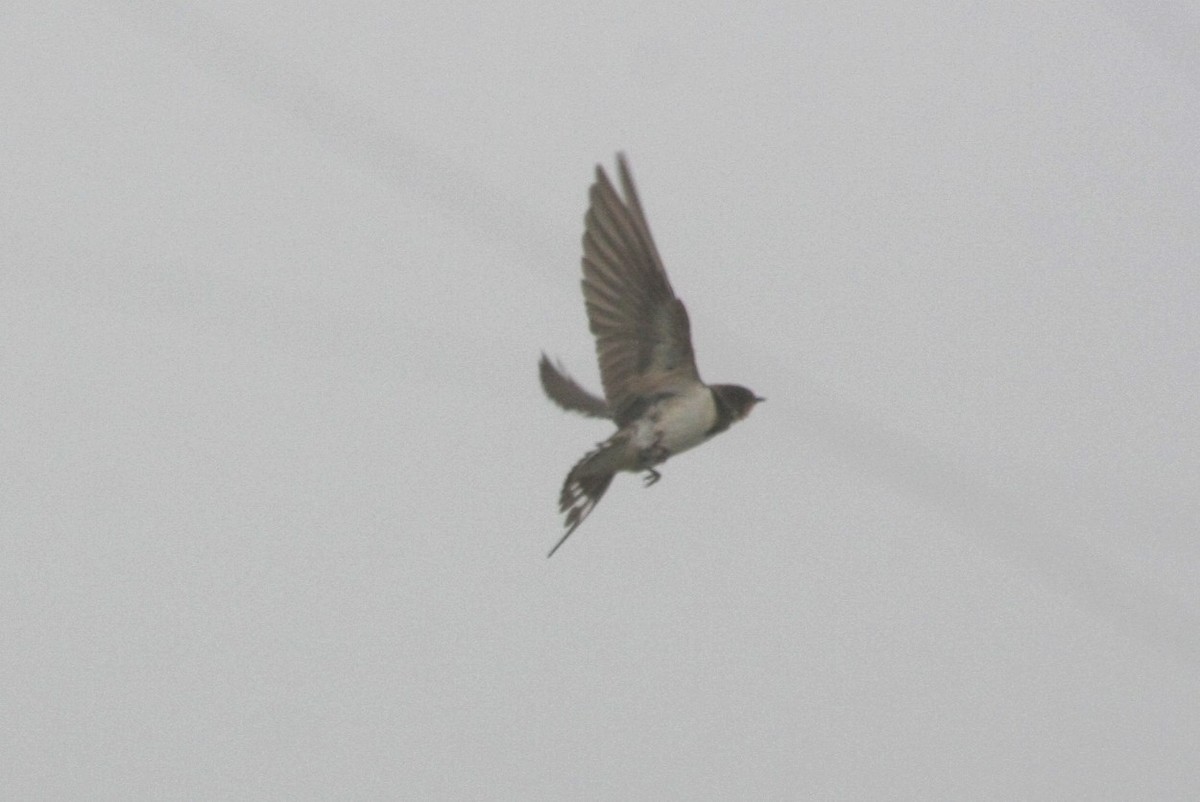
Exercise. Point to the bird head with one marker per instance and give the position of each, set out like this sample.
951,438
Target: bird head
739,399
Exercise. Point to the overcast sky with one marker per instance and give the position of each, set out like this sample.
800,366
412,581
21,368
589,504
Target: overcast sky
278,480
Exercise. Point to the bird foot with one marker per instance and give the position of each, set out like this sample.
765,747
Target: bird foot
651,477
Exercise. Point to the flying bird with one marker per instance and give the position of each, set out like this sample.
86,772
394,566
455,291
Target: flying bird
652,390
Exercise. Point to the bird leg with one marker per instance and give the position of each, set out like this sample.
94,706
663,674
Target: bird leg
650,456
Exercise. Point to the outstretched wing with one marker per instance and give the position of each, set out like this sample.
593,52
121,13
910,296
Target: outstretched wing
567,393
643,339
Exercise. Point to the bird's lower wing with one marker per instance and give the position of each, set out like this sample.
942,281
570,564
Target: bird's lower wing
566,392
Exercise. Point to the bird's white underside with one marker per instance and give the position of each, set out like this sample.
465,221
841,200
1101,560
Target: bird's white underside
681,422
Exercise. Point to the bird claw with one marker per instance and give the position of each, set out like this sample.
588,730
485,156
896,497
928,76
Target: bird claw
651,477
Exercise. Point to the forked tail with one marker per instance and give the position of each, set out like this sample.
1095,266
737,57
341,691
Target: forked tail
585,486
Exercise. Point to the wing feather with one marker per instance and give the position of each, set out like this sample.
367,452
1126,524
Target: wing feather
643,339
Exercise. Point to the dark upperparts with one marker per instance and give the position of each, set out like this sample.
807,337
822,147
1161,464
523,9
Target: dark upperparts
734,402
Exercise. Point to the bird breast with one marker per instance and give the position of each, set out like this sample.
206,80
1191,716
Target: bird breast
679,422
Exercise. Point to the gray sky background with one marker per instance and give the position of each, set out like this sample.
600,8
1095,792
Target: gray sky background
278,478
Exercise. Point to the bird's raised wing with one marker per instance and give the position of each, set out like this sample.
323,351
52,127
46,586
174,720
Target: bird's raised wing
643,338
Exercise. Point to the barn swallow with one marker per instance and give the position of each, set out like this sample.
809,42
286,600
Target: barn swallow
652,390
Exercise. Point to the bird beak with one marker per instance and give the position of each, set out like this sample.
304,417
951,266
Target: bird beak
759,399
